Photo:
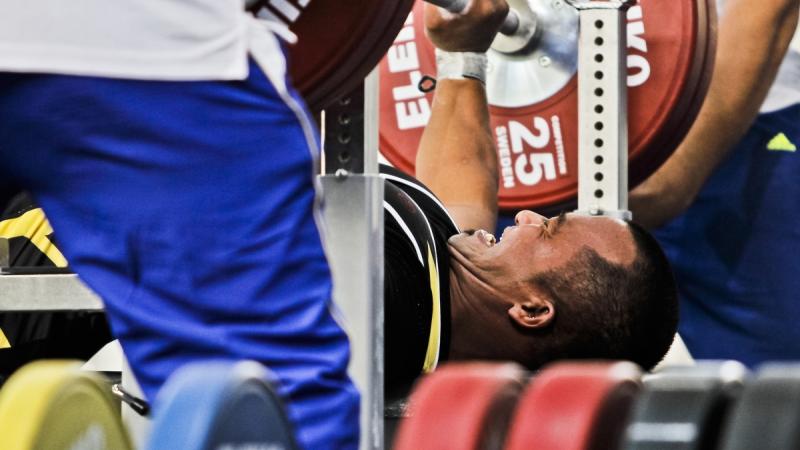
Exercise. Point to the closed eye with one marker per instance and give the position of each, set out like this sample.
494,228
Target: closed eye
551,226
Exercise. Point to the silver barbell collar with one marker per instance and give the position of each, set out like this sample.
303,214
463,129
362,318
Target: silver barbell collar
525,73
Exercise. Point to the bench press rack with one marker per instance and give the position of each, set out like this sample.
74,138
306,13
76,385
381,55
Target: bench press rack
353,212
64,292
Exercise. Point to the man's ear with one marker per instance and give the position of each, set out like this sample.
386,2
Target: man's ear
533,313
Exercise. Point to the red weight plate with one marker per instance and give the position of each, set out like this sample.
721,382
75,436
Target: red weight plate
575,406
668,53
339,43
461,407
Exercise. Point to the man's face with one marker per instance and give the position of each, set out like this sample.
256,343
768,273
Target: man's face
536,245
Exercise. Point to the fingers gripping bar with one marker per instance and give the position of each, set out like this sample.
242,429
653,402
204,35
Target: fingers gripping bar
511,24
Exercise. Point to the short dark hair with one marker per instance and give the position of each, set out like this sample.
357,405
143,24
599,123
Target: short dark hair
610,311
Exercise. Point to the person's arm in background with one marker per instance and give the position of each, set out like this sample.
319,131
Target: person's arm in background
752,41
457,159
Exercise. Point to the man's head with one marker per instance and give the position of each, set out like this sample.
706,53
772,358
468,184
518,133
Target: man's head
568,287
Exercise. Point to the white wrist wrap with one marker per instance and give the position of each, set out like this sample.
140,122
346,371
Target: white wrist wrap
460,65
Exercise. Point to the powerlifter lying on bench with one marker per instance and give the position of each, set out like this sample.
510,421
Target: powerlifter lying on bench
568,287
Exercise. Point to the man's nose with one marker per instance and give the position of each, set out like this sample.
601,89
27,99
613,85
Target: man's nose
528,218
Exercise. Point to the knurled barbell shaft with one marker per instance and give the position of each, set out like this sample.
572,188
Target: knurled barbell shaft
511,24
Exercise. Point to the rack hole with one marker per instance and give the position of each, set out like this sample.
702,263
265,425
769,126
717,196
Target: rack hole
598,109
598,126
598,75
598,193
598,92
598,57
598,41
598,176
598,160
598,24
598,143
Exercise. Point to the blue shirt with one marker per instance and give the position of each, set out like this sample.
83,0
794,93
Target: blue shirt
736,251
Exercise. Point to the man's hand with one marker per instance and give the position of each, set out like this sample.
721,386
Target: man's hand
472,30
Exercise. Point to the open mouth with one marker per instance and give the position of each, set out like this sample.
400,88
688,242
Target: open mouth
486,237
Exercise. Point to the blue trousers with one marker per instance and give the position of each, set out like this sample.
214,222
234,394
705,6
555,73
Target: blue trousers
189,207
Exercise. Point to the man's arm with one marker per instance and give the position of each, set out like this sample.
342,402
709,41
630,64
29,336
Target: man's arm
753,38
457,159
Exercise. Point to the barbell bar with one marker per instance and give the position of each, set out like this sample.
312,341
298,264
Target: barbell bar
511,25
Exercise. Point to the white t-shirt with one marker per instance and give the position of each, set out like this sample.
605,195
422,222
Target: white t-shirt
141,39
785,91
